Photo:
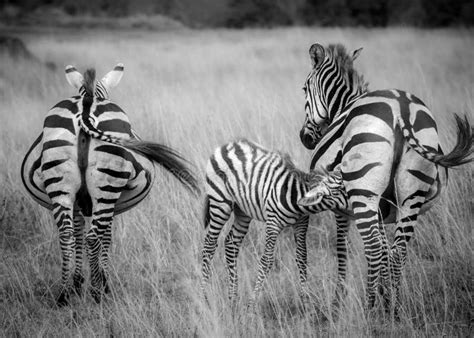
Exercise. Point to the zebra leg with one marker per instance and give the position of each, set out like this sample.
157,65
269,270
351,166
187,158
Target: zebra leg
219,214
233,242
63,216
366,219
300,230
415,182
78,277
272,230
398,253
94,237
343,224
384,268
104,258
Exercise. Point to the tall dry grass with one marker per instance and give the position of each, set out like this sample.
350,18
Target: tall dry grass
195,90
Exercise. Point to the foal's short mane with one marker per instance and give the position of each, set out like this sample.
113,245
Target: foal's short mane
286,158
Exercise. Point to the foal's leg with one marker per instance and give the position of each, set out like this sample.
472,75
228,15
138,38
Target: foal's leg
233,242
272,230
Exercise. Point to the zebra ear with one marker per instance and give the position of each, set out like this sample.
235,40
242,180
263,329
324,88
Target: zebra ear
356,53
73,77
312,197
317,54
112,78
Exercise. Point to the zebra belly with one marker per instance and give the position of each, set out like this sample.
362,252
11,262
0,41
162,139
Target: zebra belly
30,174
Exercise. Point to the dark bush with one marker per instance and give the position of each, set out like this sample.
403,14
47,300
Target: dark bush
256,13
269,13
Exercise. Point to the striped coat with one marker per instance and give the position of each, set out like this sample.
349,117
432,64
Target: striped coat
88,162
253,183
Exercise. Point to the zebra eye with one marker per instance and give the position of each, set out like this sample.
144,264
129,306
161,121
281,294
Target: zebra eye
304,89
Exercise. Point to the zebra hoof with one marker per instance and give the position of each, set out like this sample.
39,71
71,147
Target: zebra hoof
396,315
63,299
252,308
105,284
78,281
96,295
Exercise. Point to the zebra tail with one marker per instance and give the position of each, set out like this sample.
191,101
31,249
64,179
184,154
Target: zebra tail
464,148
461,153
207,216
168,159
161,154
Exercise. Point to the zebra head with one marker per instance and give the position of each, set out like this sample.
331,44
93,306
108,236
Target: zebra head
327,185
100,88
330,85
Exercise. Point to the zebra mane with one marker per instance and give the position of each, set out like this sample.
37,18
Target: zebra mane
346,64
89,81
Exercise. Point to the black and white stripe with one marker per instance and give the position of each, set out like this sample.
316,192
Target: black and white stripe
89,162
377,139
254,183
341,83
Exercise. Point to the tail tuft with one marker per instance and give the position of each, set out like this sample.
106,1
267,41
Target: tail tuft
207,216
463,149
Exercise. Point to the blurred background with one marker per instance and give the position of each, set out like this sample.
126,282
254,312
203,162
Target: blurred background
239,13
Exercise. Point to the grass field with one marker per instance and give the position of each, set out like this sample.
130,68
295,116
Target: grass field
195,90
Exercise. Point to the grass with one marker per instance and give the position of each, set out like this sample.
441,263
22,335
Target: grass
195,90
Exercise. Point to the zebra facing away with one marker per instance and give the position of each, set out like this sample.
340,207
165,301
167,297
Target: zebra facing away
386,143
88,162
254,183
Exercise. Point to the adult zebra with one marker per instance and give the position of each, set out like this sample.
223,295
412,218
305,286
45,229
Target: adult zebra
253,183
387,144
89,162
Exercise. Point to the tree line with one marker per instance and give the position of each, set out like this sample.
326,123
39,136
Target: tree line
271,13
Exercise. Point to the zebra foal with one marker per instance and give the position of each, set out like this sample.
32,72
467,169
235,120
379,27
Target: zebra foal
88,162
254,183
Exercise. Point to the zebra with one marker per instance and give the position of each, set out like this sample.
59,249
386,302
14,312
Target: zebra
386,144
88,162
254,183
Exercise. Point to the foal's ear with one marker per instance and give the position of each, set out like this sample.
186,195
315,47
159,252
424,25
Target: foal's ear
317,54
356,53
337,172
112,78
73,77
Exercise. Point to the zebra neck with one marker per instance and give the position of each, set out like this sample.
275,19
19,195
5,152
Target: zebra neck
345,105
305,187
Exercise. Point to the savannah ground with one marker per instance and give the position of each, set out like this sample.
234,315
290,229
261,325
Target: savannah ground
195,90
